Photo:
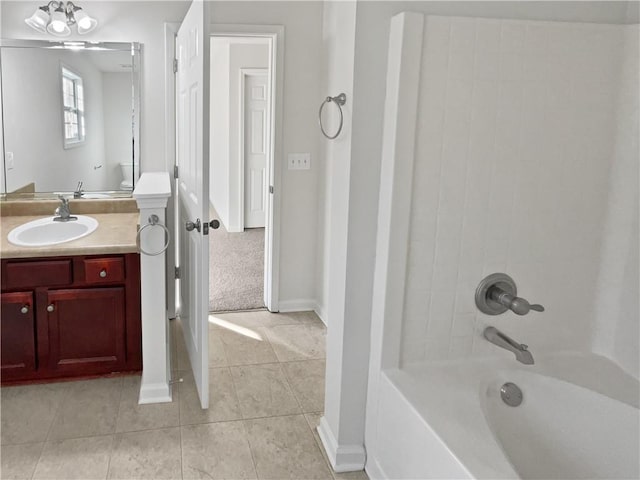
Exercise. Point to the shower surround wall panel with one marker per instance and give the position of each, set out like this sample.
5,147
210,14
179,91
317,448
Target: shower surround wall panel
516,128
617,331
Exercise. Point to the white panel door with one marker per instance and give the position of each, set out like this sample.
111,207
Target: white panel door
193,191
256,118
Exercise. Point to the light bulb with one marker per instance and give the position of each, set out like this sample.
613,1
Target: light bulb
85,22
38,21
58,25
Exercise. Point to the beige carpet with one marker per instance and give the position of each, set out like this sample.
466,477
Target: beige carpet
236,272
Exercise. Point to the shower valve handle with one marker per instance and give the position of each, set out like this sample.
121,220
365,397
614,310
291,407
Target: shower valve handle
517,305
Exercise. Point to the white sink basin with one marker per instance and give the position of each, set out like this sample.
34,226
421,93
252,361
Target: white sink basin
95,195
44,231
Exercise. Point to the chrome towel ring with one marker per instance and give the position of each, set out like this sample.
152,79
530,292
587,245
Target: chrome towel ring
153,222
340,100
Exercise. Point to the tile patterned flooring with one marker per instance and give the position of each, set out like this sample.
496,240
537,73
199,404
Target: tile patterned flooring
266,390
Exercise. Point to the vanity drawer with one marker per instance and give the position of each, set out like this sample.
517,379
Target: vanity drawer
40,273
104,270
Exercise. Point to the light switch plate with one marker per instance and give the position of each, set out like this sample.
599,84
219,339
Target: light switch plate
299,161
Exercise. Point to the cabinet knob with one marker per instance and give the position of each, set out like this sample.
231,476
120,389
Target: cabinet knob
24,309
103,273
50,308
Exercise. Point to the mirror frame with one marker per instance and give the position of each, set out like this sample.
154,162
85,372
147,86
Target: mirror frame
136,51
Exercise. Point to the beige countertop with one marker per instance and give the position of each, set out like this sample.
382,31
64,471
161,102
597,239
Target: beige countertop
116,233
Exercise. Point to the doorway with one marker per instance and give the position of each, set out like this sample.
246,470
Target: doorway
241,167
187,299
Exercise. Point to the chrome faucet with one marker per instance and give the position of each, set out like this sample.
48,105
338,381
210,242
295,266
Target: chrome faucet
63,213
495,336
78,192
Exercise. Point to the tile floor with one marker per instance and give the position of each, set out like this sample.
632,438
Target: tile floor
266,390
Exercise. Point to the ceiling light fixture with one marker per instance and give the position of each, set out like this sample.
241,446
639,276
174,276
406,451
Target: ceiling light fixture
58,17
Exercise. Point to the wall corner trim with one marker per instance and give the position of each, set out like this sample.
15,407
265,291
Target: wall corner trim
343,458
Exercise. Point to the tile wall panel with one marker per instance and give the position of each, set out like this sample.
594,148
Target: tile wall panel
516,125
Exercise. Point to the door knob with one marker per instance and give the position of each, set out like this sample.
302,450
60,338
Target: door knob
190,226
50,308
24,309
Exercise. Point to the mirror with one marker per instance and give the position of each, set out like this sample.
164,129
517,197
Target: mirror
70,114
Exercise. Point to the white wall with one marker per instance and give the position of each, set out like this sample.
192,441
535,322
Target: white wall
117,125
299,188
617,332
241,56
228,57
219,129
33,131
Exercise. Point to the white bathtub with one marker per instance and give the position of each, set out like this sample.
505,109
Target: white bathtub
579,419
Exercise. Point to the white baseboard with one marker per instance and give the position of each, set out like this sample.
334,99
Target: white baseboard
303,305
155,393
299,305
343,458
321,312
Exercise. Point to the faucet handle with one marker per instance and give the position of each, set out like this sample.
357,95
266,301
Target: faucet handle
519,305
78,191
497,293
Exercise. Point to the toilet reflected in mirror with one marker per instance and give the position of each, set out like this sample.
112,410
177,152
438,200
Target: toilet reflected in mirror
127,170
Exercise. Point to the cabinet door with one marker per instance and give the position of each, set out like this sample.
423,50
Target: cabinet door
17,330
87,333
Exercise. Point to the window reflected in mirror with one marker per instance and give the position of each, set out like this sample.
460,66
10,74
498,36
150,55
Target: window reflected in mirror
73,108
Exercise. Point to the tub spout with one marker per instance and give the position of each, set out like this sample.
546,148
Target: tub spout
495,336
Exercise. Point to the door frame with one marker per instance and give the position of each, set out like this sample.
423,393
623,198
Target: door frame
275,33
244,73
170,33
272,240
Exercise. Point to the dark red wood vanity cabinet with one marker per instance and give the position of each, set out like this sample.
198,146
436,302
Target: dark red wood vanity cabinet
70,317
18,335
